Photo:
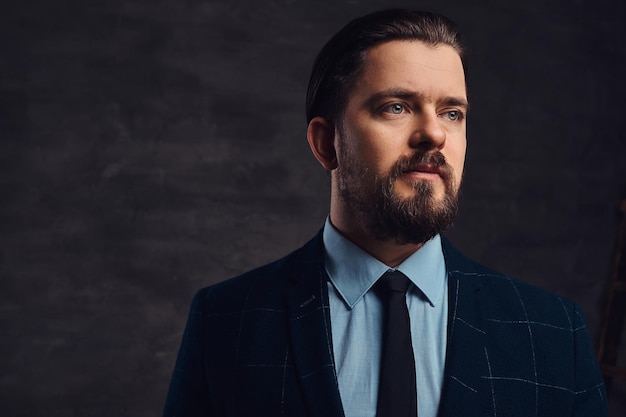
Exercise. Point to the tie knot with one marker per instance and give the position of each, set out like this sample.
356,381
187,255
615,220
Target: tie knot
394,281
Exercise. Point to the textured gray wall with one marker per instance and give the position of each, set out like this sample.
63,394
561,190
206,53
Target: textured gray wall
150,148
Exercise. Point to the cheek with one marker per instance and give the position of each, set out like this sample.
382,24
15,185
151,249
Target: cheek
375,153
376,146
457,159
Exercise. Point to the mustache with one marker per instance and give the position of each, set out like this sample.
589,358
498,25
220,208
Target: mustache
420,158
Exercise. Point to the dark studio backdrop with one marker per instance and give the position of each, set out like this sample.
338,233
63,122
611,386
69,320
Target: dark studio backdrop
150,148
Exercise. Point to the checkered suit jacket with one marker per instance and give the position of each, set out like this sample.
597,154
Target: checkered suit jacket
260,345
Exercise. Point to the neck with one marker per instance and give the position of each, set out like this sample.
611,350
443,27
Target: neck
389,251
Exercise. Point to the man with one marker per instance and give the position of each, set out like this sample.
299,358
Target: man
379,315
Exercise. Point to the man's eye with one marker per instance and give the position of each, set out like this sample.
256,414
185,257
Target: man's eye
453,115
395,108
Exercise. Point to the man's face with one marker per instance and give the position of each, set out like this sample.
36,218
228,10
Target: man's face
401,141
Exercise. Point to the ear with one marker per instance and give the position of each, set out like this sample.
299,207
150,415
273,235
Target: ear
321,137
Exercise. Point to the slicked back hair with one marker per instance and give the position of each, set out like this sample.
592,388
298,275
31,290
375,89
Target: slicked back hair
341,60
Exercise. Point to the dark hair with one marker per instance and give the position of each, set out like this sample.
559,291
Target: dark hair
341,60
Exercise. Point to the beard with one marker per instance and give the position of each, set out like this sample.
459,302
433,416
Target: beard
385,214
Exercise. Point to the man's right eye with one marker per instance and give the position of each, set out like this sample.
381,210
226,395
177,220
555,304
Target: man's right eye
394,108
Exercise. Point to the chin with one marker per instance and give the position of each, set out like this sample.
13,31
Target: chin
405,193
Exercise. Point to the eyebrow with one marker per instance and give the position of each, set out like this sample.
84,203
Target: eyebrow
412,95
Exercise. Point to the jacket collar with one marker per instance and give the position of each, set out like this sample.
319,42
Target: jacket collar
465,354
309,324
311,337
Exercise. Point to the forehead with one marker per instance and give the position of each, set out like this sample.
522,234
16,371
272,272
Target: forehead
412,66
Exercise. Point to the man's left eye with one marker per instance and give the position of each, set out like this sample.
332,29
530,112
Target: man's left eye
453,115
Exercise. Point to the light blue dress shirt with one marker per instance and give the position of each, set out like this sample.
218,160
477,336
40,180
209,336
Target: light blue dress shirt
356,321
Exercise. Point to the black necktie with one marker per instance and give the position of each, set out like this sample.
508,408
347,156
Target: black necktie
397,394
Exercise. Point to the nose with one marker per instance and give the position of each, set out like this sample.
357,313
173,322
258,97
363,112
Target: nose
428,131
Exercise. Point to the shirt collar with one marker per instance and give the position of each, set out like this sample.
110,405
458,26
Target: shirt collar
353,271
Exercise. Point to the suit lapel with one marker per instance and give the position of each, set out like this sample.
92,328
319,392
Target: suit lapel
466,355
464,391
310,331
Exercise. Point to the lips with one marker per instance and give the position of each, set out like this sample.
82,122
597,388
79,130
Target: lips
424,168
423,164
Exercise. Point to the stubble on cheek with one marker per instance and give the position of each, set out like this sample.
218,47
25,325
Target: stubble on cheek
390,207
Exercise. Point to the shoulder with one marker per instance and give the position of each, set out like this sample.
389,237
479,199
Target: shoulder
265,285
501,292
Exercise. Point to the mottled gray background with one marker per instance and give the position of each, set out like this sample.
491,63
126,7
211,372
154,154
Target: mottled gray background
150,148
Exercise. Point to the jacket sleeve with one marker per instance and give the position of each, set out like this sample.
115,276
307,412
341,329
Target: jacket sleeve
188,394
590,396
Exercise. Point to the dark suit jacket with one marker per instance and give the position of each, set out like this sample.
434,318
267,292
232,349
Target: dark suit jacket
260,345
